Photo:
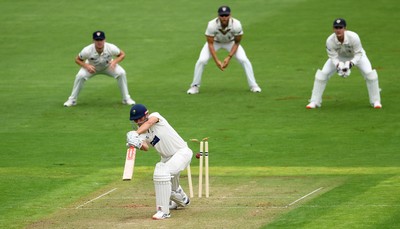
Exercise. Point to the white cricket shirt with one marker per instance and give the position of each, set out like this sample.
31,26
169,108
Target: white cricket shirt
164,138
226,35
100,61
351,48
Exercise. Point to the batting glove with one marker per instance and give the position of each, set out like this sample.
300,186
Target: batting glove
133,139
135,142
132,133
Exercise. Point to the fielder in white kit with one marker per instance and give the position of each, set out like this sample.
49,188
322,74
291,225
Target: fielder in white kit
175,157
344,51
97,58
223,32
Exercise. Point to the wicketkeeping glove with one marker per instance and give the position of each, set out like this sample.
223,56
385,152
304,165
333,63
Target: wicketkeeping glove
343,69
339,67
346,69
348,64
346,73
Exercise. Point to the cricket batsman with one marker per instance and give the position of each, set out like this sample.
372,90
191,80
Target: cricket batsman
154,130
345,51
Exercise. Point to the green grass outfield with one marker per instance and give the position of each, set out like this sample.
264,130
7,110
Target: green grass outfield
274,164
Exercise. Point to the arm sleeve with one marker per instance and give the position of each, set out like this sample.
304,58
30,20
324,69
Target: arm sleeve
238,29
332,54
115,51
84,54
210,31
357,49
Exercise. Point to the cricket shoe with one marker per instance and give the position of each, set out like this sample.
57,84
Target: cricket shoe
255,89
161,215
180,198
186,200
172,205
70,103
193,90
313,105
128,101
377,105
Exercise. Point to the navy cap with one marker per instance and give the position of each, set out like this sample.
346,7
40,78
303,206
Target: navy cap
224,10
137,111
99,35
339,22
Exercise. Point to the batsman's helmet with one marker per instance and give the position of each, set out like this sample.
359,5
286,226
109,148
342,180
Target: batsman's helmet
137,111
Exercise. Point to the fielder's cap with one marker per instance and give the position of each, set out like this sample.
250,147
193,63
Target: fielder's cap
339,22
99,35
224,10
137,111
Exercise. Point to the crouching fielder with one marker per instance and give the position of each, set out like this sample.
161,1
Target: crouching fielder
175,156
344,51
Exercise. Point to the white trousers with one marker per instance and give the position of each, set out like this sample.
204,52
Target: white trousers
179,161
166,179
240,56
329,69
364,65
118,73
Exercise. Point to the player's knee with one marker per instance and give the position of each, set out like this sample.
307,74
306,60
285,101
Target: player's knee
202,61
80,77
372,75
120,76
320,75
121,72
242,60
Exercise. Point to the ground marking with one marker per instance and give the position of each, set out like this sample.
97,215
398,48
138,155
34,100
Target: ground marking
211,197
316,190
191,207
112,190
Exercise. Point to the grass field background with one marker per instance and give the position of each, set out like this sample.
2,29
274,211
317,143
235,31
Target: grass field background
266,150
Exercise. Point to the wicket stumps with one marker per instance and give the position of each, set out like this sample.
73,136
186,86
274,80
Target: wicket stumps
203,153
189,174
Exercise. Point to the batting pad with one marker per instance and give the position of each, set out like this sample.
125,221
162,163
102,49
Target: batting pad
320,82
162,185
373,87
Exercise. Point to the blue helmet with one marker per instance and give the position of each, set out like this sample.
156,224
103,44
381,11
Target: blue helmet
137,111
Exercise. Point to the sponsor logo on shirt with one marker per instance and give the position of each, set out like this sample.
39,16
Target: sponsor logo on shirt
155,141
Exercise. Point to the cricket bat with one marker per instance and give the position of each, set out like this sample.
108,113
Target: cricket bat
129,164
